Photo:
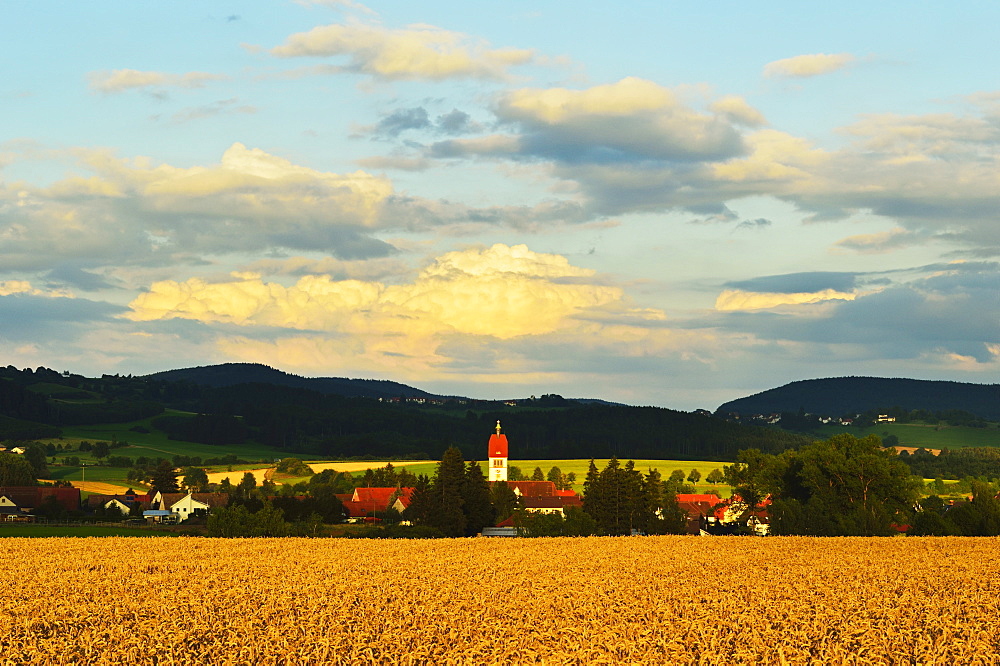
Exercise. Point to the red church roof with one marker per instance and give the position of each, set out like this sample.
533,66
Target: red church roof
498,446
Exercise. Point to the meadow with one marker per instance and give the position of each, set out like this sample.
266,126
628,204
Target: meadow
922,435
672,599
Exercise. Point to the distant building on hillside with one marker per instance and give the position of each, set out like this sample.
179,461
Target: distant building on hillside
498,456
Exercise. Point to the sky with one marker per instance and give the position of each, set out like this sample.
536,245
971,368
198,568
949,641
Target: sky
656,203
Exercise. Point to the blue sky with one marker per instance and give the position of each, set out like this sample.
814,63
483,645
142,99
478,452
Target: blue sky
668,203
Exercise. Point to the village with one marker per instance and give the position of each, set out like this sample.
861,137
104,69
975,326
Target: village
704,513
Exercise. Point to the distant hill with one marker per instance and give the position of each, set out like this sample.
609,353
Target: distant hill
853,395
234,374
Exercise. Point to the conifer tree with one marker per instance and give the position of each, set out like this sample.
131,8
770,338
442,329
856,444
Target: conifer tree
504,499
476,505
164,478
446,490
422,504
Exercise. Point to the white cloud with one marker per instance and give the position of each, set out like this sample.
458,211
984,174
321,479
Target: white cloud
120,80
24,287
138,212
738,111
808,65
879,242
735,299
416,52
494,295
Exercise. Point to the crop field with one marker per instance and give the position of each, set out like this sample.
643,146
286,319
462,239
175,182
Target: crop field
656,600
921,435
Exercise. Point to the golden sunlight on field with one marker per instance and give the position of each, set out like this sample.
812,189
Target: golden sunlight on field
586,600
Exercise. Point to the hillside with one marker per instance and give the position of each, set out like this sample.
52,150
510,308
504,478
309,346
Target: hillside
854,395
233,374
286,418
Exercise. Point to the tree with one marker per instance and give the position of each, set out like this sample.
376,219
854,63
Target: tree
556,476
196,479
715,476
422,504
479,511
980,516
694,477
514,473
294,467
15,470
101,449
538,474
35,454
504,500
244,489
164,478
843,486
446,489
677,477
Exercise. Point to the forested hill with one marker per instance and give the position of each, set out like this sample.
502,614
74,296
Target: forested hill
233,374
40,403
840,396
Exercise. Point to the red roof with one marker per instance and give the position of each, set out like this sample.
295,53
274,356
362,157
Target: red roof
533,488
565,493
697,504
378,499
498,446
30,497
356,509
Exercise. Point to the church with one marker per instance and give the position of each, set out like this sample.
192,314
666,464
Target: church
540,496
498,456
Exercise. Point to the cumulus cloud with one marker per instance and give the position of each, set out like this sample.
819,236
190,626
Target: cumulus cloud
632,119
738,111
416,52
808,65
133,211
498,293
120,80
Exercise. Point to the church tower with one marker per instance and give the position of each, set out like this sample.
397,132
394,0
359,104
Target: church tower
498,456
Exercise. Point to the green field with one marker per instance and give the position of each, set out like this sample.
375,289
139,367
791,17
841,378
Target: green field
38,531
664,467
156,444
927,436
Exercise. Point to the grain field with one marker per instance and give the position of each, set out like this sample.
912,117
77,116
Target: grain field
656,600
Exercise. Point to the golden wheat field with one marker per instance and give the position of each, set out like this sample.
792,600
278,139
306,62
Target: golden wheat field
657,600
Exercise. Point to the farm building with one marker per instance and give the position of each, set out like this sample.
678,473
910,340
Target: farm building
28,498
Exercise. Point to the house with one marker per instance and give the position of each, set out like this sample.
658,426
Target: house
364,502
107,502
123,502
700,509
28,498
533,488
187,505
